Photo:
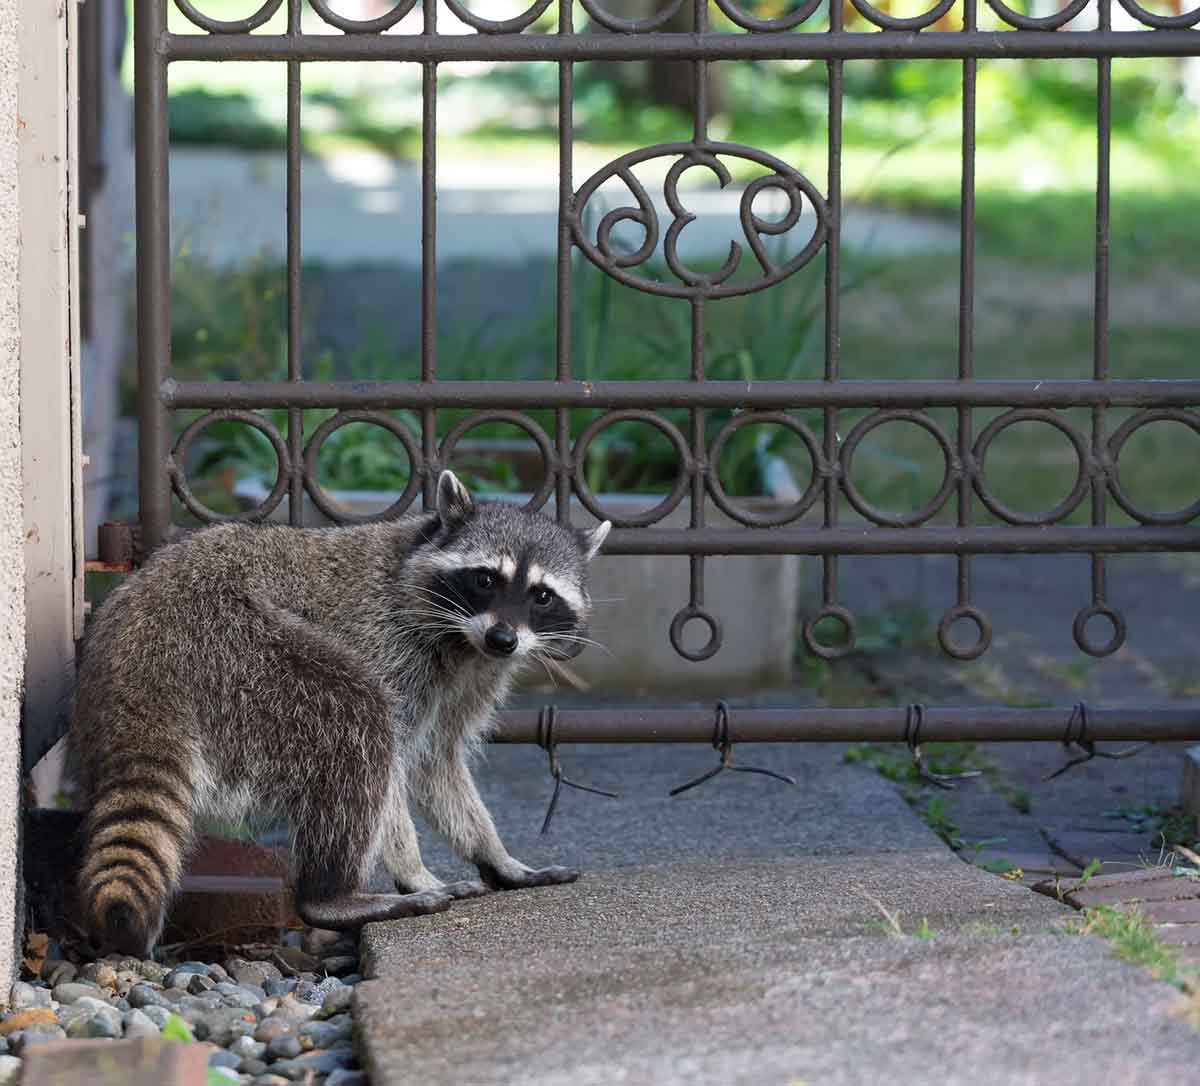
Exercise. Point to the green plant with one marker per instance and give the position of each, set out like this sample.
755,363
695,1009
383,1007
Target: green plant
176,1029
1018,798
906,626
895,763
1006,869
1133,938
1085,877
935,815
1169,826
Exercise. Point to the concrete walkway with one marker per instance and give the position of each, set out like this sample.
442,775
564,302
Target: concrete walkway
229,207
746,932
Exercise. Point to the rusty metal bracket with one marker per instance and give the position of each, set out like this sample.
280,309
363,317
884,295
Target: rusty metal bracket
117,547
723,743
547,742
914,718
1076,736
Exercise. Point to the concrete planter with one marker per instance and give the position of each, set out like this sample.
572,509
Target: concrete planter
754,598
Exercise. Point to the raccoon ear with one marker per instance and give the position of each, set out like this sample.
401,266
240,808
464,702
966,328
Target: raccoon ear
453,500
593,540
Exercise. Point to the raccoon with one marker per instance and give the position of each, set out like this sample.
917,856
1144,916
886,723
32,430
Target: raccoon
333,677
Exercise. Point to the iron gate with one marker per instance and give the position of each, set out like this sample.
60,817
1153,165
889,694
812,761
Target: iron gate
161,462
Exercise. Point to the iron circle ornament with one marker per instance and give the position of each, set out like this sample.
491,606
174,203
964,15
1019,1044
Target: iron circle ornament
782,22
1050,418
664,507
1053,21
522,422
601,252
1115,619
362,26
1117,442
1182,21
515,25
620,25
838,614
747,516
709,649
983,632
178,473
228,26
893,22
882,516
334,509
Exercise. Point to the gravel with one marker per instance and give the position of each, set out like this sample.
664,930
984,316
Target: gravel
272,1016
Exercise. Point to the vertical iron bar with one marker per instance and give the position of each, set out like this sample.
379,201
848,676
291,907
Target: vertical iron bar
966,299
700,466
1100,332
295,430
153,270
566,206
429,446
833,252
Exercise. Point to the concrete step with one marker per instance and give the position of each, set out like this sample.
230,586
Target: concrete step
751,933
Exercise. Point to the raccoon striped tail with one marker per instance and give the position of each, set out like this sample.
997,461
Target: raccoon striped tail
138,833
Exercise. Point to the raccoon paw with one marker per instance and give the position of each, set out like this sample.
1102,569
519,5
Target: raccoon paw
456,891
465,889
526,878
349,912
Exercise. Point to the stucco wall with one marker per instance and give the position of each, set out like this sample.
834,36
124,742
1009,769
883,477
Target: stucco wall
12,565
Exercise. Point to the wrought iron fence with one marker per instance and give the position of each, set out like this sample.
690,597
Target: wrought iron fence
832,489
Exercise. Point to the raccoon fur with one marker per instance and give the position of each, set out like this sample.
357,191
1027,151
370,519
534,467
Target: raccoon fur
333,677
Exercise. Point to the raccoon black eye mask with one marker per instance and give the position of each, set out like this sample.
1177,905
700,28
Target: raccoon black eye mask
335,678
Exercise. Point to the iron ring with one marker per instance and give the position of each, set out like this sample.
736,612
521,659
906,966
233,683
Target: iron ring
1115,618
334,509
178,474
681,619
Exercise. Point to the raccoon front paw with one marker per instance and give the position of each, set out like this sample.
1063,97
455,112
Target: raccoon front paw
525,878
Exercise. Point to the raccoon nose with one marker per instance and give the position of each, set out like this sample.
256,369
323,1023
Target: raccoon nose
501,639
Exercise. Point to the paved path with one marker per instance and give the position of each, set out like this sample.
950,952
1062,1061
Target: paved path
737,934
366,207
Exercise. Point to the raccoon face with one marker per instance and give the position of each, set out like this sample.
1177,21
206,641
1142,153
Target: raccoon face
509,582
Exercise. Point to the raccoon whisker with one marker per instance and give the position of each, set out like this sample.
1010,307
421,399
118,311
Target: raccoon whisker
575,639
565,673
432,608
457,602
419,621
545,667
559,636
454,616
458,596
433,627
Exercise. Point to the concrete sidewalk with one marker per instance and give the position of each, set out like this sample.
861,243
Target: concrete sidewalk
228,206
737,934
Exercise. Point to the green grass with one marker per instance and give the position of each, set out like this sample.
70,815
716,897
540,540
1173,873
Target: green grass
1133,939
894,763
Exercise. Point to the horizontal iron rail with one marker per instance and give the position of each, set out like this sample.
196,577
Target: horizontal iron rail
525,395
864,540
851,725
789,45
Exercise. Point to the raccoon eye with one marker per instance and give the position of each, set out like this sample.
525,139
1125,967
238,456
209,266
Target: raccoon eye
542,597
485,580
